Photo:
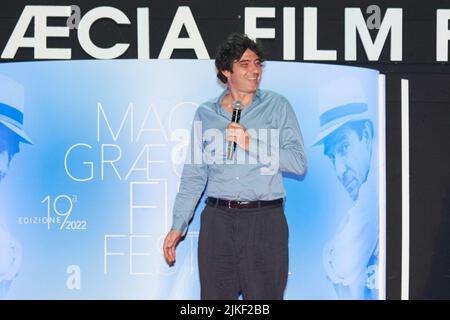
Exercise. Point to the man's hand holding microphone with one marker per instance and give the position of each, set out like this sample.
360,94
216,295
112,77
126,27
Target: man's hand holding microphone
236,133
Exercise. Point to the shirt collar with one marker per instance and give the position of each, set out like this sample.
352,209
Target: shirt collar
256,99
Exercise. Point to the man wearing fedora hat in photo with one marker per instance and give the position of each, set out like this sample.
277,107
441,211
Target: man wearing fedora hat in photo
350,257
11,135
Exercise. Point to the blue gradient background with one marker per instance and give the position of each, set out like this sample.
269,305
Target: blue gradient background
61,110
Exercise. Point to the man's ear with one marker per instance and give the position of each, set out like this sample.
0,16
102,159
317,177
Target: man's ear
367,134
226,73
14,148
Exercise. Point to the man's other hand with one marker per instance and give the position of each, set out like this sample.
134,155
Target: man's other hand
170,244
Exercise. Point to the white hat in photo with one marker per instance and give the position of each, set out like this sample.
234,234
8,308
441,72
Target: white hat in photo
340,101
11,107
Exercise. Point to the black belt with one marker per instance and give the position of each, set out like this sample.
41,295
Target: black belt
242,204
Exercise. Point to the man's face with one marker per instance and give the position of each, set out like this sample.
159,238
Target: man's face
6,154
4,160
246,73
350,156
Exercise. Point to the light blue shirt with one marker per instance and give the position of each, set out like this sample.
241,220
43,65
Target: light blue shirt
259,177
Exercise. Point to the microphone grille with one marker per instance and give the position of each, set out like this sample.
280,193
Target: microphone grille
237,104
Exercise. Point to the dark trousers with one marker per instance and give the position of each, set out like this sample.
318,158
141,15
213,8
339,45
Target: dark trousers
243,251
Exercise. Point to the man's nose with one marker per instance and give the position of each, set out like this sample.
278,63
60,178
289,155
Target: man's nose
255,68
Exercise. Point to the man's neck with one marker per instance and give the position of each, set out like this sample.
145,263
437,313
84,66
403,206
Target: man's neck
245,98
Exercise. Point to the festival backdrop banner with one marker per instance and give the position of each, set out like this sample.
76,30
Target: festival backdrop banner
86,198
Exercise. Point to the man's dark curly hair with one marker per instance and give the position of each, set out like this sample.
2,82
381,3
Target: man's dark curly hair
233,49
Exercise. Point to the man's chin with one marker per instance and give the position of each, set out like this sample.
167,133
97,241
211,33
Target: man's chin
353,193
353,189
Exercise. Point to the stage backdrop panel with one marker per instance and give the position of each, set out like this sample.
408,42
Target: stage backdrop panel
86,206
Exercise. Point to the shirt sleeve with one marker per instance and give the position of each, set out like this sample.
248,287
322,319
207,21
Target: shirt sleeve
290,151
10,255
193,180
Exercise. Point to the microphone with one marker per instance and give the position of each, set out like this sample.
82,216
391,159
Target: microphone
237,108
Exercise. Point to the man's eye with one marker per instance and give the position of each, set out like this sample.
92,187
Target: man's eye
344,148
244,64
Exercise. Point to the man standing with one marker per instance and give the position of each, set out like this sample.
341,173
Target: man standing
243,241
11,134
350,258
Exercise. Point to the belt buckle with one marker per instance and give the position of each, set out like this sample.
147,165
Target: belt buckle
232,204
